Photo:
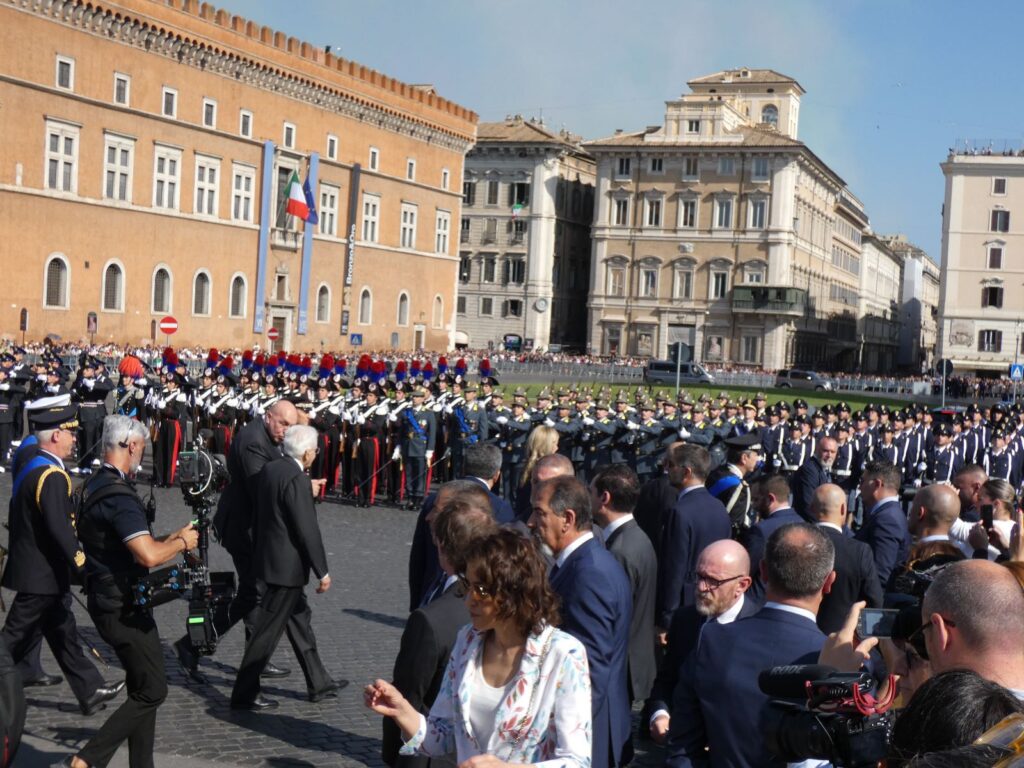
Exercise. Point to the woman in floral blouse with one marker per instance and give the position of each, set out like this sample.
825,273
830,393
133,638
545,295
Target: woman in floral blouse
516,690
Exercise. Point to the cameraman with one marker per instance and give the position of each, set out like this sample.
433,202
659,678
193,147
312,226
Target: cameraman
119,550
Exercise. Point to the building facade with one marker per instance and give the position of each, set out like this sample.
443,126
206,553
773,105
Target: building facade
722,230
145,174
524,241
878,311
919,304
981,301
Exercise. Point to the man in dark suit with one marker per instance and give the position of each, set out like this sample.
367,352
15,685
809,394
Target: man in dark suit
255,445
482,464
596,608
697,519
771,500
723,579
885,524
431,631
856,577
613,494
288,546
657,497
812,474
717,702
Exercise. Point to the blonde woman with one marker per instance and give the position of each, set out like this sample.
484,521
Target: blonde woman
543,441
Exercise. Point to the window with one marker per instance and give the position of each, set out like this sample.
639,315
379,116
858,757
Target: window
328,210
486,306
657,165
753,273
623,167
649,283
995,257
1000,221
490,231
990,341
682,286
716,347
236,299
65,73
616,281
117,167
719,284
514,272
410,170
759,169
201,294
437,315
408,231
207,185
464,230
693,126
519,227
371,215
998,186
403,308
113,288
513,308
323,304
750,349
652,217
445,178
332,147
61,157
284,220
691,169
758,210
166,177
842,294
688,213
243,181
444,222
468,192
209,113
281,287
374,159
55,289
245,123
365,307
492,192
122,89
845,259
460,305
169,103
620,212
489,264
519,194
726,166
723,213
161,299
770,114
465,268
992,296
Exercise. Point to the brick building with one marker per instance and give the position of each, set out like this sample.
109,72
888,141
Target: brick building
147,148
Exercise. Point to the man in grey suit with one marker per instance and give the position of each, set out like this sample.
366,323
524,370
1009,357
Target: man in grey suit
614,492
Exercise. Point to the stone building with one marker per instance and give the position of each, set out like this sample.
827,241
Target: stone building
878,311
919,304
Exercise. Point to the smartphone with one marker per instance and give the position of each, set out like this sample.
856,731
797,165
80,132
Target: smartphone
876,622
986,516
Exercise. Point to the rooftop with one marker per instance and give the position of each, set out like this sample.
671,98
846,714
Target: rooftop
743,75
516,129
751,136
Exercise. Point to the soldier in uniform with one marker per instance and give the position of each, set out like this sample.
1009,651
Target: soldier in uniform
599,433
419,433
943,461
89,392
371,424
698,431
648,445
567,426
886,449
220,410
45,556
10,393
748,425
514,430
728,481
468,425
171,407
395,433
998,460
794,450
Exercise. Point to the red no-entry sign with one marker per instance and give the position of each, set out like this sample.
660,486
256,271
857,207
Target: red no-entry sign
273,334
168,325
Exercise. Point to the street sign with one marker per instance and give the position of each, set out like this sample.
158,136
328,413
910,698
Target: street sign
944,367
273,334
1017,372
168,325
355,339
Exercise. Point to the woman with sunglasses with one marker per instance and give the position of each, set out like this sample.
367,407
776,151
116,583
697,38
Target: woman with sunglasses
516,690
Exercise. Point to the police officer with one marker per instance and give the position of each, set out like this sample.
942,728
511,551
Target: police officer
648,442
44,555
419,433
514,430
11,393
728,481
119,550
943,461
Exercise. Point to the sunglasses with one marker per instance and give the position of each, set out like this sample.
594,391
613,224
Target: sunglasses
479,591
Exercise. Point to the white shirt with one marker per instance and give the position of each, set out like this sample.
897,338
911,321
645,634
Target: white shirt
792,609
688,489
833,526
58,459
614,525
886,500
564,554
483,708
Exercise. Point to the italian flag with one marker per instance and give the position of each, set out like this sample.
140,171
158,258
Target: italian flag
296,199
516,209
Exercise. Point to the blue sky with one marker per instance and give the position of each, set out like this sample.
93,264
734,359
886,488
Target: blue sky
891,84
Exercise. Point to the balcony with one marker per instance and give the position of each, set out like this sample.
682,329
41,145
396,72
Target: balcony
769,300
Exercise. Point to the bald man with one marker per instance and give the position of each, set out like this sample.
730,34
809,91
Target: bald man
856,576
723,578
973,618
933,514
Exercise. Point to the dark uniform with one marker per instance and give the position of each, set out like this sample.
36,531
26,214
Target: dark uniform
418,439
90,393
10,396
513,433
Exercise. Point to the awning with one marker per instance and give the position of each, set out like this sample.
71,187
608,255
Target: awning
461,337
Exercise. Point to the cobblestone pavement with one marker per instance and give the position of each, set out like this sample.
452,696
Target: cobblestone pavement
358,624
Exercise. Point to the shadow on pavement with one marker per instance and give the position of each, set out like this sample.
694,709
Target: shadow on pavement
379,618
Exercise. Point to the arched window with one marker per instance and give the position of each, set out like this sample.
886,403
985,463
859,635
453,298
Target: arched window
438,317
161,290
365,307
201,294
56,279
236,300
113,288
770,114
323,304
403,308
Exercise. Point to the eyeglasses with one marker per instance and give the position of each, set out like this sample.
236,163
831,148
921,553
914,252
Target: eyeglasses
479,591
712,583
916,638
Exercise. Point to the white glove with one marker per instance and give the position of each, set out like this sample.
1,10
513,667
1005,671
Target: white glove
430,455
53,388
41,377
436,407
360,419
347,417
922,467
396,454
161,403
393,417
382,410
141,381
587,421
5,386
917,483
449,410
684,433
89,383
632,426
585,437
503,420
777,463
211,409
548,423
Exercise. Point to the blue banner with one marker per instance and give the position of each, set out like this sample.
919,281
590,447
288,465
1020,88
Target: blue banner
307,249
266,195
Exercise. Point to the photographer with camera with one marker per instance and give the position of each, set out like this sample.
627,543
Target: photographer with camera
119,549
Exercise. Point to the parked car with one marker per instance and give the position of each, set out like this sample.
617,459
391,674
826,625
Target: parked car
664,372
797,379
